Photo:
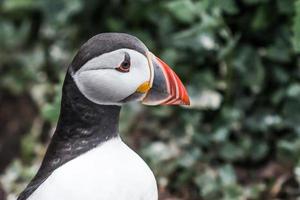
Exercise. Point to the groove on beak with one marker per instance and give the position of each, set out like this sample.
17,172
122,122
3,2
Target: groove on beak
167,88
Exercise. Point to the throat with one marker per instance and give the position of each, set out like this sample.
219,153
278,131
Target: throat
89,128
81,119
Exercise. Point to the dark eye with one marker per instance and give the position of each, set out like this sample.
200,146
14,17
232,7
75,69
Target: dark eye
125,65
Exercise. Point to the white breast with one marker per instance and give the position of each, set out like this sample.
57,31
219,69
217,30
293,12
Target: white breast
111,171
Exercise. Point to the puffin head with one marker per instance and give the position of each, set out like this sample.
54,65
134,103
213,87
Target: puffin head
114,68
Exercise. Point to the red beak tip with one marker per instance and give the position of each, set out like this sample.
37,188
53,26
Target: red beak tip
177,92
186,101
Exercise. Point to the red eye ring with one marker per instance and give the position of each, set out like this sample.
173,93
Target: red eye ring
123,69
125,65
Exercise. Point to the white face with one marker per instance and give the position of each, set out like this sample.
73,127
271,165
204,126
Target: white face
101,82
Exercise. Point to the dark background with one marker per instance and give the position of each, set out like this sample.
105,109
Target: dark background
240,139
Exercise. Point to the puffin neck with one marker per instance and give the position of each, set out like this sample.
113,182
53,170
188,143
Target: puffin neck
85,120
82,126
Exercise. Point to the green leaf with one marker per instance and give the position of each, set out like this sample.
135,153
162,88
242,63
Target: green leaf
294,90
259,21
11,5
227,175
296,27
231,151
229,6
50,111
182,10
286,6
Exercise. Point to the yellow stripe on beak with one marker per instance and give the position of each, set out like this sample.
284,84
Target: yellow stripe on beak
151,68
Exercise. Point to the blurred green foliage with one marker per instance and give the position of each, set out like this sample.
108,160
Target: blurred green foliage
240,139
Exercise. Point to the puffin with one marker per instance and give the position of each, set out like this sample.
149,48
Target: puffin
86,158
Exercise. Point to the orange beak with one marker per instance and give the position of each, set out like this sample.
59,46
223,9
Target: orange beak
167,88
